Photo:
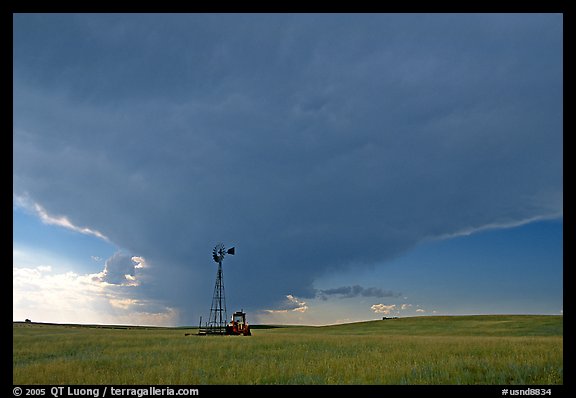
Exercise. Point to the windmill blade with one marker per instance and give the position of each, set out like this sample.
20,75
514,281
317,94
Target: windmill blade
218,252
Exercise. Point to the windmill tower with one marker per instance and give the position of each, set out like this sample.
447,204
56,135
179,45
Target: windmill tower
218,316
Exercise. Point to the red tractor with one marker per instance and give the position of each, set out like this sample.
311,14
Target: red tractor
238,325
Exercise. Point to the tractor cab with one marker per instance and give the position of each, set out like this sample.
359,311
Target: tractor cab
238,325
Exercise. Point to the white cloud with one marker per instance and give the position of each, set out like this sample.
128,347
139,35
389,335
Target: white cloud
123,303
382,308
61,221
405,306
502,225
300,305
291,304
65,223
140,262
420,310
276,311
43,295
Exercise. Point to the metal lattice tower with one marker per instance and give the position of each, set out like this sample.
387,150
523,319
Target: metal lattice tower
218,315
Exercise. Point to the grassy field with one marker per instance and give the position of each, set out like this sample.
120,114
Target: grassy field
420,350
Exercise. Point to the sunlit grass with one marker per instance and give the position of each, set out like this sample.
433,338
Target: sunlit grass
64,355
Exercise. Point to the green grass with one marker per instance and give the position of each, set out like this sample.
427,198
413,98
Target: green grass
485,325
419,350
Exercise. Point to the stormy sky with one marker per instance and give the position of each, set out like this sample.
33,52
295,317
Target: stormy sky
321,146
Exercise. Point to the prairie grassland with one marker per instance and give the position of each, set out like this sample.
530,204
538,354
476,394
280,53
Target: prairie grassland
44,354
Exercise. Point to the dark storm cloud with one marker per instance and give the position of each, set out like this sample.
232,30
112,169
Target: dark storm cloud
310,142
355,291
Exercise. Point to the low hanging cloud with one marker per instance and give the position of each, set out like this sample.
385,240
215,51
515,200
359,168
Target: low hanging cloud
355,291
312,143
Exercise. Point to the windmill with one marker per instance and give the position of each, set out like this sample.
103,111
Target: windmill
218,316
